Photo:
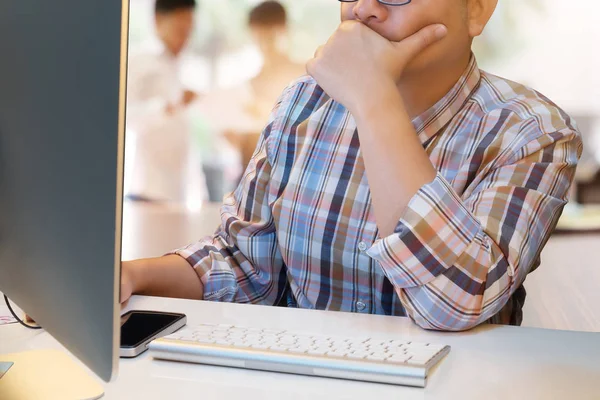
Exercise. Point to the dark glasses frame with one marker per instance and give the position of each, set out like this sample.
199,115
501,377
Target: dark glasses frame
387,3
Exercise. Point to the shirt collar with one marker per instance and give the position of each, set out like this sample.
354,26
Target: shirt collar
434,119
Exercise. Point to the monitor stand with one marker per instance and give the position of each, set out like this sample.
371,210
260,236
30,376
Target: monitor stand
45,374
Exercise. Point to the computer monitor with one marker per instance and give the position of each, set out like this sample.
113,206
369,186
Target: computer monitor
62,118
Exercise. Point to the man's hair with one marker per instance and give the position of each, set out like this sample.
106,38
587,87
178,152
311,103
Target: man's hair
268,13
167,6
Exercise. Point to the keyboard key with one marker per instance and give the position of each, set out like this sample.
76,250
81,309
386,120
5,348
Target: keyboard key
340,354
297,350
272,332
377,343
418,347
397,359
320,338
357,355
338,345
260,346
287,340
204,340
414,362
418,360
301,335
279,348
377,356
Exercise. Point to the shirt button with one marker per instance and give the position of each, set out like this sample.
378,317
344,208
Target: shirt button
362,246
360,306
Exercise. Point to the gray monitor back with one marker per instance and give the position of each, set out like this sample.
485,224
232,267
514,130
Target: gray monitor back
62,92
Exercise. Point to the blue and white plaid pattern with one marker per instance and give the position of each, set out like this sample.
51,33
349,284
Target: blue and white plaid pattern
301,223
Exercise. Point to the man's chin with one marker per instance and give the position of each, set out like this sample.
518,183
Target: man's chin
425,62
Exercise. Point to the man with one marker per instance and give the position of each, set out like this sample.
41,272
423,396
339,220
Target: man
397,179
164,166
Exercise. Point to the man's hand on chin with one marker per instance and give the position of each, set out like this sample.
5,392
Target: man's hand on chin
357,64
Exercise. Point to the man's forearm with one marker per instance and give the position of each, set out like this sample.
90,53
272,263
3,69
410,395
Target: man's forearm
168,276
397,165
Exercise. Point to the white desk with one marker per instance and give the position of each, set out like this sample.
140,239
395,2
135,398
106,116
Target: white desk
488,363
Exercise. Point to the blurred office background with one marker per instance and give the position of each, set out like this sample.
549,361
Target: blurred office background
546,44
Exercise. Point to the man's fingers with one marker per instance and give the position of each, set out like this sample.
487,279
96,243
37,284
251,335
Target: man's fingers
124,304
310,65
416,43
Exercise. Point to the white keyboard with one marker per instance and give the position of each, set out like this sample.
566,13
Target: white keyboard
388,361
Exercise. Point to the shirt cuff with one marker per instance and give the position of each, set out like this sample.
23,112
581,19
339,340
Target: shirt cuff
205,259
434,231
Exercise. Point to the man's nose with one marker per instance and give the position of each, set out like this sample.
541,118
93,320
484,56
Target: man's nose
368,11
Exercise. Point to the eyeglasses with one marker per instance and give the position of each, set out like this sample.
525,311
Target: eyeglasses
387,3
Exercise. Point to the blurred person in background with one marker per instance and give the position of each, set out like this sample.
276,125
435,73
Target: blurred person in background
269,27
165,164
240,112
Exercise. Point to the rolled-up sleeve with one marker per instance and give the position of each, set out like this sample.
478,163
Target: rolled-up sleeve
455,260
242,262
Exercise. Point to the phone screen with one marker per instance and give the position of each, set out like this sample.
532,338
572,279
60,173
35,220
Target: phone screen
138,326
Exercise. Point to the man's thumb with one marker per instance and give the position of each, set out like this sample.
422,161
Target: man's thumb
416,43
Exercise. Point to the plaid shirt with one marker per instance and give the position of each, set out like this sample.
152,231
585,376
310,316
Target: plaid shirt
300,227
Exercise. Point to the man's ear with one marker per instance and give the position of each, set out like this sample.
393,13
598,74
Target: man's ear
479,13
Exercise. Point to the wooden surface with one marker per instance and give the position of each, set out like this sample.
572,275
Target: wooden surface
563,293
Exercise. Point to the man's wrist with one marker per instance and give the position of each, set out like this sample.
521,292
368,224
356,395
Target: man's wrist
382,98
136,270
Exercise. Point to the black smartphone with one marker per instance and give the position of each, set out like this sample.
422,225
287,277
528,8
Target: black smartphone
138,328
